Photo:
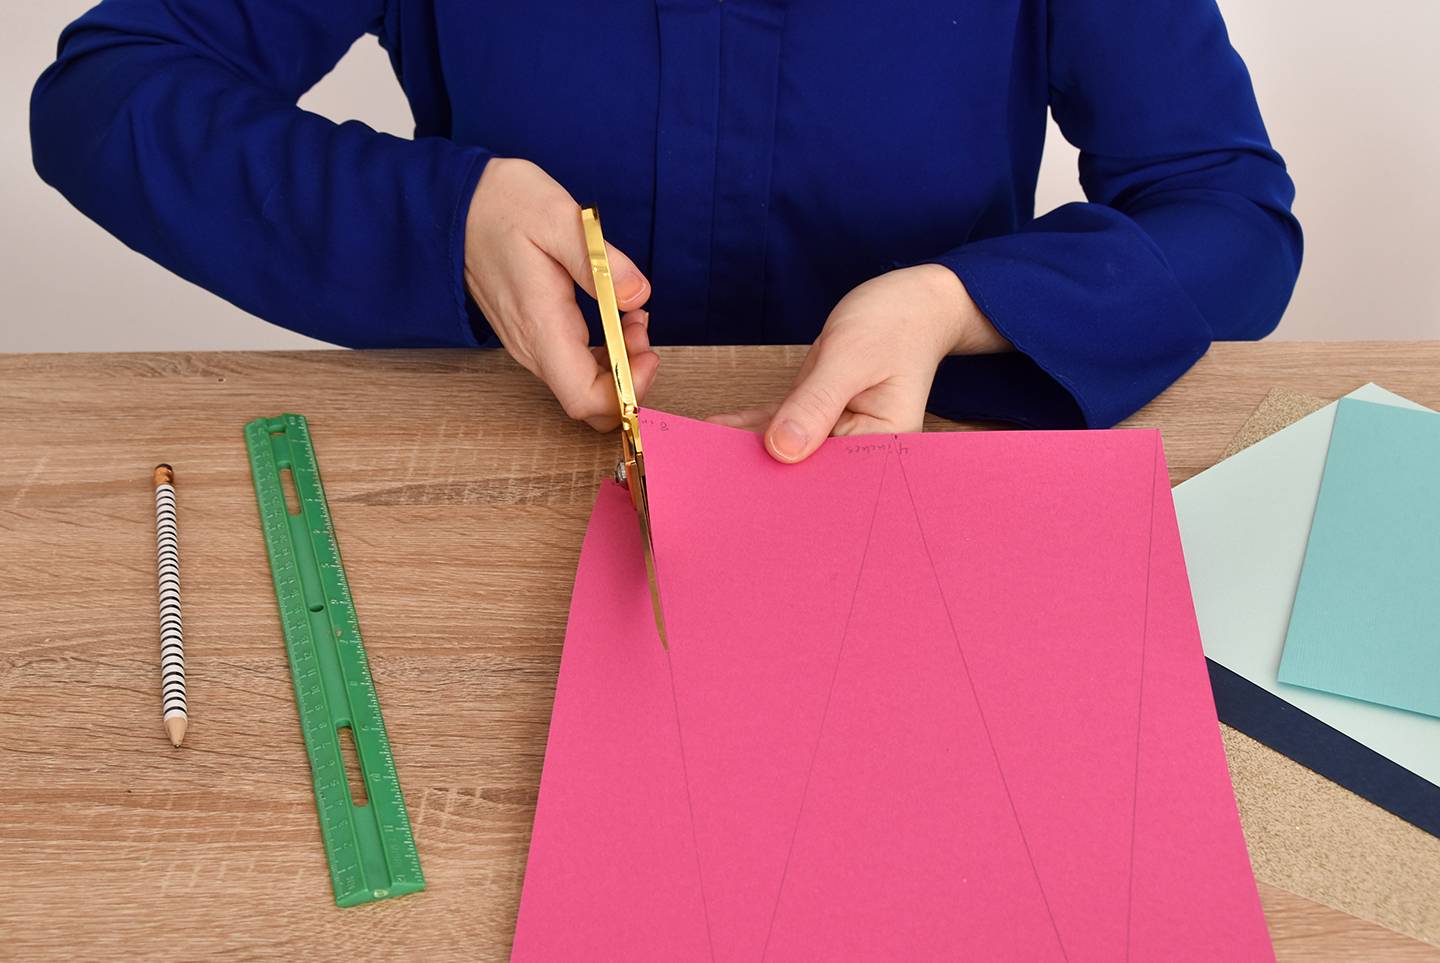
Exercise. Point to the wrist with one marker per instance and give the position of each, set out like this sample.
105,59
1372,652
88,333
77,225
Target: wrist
967,329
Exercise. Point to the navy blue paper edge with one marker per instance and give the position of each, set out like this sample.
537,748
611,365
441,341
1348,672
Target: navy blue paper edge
1267,718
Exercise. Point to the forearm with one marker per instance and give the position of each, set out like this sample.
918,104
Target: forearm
335,231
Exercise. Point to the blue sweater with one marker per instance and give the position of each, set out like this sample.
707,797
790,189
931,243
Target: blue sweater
756,158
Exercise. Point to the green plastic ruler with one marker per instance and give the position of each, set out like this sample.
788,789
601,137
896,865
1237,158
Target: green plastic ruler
368,841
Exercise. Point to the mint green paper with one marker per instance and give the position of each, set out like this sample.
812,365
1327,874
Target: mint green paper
1366,620
1244,523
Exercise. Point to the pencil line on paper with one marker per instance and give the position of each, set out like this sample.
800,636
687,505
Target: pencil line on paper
825,711
690,805
980,709
1140,707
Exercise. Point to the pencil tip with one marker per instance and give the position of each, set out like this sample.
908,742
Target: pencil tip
175,725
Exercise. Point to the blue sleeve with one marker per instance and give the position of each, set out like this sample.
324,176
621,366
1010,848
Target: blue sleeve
1187,237
174,125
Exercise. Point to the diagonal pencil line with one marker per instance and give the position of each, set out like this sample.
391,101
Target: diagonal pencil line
1140,707
980,708
690,805
825,712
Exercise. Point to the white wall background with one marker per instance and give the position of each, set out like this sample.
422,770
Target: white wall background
1348,100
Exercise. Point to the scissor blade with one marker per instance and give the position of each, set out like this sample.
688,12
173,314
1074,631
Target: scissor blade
644,515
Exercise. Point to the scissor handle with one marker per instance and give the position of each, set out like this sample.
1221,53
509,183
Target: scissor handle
609,314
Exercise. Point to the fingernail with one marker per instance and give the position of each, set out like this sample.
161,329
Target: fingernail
628,285
788,440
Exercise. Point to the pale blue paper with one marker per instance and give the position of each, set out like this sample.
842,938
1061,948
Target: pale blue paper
1244,524
1366,620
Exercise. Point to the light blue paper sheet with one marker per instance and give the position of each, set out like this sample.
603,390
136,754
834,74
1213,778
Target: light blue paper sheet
1366,620
1244,524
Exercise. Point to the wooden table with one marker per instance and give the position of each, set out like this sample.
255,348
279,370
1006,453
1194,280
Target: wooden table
460,495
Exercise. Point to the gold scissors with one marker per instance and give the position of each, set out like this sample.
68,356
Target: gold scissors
631,470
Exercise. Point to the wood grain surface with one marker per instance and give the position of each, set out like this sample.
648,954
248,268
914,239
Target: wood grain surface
460,495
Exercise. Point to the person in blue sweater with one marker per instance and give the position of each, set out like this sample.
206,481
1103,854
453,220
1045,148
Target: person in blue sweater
855,174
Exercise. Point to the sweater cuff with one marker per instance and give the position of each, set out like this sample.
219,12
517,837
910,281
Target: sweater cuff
475,331
1098,322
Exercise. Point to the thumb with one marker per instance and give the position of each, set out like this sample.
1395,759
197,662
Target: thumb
566,244
809,413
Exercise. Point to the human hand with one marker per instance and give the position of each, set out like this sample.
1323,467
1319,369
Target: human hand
870,370
524,247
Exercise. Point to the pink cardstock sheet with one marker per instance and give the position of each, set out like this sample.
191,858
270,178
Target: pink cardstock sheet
933,696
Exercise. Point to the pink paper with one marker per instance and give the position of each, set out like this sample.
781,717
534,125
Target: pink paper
927,696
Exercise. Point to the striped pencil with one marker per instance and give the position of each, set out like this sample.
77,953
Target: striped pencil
172,641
